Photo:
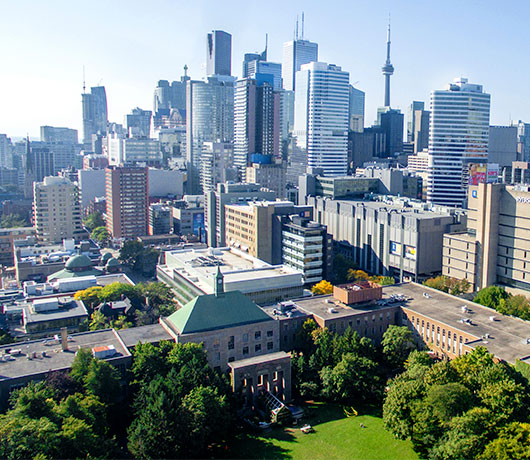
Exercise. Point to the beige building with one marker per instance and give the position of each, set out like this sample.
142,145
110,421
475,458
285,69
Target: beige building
271,176
496,246
57,210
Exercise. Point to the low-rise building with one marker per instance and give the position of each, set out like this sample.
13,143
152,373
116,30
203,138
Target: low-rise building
7,236
191,272
188,216
160,219
268,175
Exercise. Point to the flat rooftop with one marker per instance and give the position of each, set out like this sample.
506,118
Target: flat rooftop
507,335
55,358
320,306
69,307
200,266
259,359
416,210
152,333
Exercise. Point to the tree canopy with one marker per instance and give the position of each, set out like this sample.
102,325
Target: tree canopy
94,220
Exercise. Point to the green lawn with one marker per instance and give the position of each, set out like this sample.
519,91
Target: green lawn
335,436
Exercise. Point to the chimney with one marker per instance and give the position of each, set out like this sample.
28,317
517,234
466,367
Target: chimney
64,338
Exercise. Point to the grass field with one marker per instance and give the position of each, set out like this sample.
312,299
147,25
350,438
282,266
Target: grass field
335,436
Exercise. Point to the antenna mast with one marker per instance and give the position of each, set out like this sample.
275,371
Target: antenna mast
302,25
84,80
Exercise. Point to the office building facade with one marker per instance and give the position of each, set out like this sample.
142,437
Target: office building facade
295,54
210,118
459,133
321,117
95,116
127,201
218,53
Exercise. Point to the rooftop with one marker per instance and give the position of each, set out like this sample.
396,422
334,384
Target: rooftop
259,359
152,333
19,365
68,307
507,336
212,312
200,266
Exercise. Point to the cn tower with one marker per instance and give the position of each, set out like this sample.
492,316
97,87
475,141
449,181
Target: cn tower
388,69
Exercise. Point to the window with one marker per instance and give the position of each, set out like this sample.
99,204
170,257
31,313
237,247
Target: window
257,335
215,344
231,340
245,350
270,333
245,337
257,347
231,359
270,345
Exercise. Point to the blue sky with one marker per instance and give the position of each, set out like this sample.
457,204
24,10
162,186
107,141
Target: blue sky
129,45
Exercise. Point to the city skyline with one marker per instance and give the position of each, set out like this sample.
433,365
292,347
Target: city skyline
430,46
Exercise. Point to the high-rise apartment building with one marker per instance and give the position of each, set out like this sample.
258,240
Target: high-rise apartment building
95,117
56,210
39,161
256,120
459,132
210,118
523,141
218,53
127,201
5,151
295,54
321,117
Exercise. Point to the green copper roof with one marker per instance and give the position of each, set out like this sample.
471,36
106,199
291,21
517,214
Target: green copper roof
64,274
79,261
112,262
210,312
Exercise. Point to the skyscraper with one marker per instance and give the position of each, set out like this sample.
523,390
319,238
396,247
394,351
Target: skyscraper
459,133
415,105
127,201
5,152
56,210
321,117
256,120
209,118
388,69
295,54
94,113
356,118
218,53
266,68
251,57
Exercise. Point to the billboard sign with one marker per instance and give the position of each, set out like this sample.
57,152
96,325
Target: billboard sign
410,252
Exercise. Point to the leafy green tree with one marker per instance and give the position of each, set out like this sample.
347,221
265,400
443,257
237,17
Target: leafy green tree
156,294
84,407
397,344
62,384
383,280
441,373
94,220
356,275
206,418
447,284
97,321
13,221
399,406
491,296
120,323
115,291
354,378
81,364
341,265
304,339
448,400
5,337
35,400
130,253
466,437
512,444
103,381
150,361
101,235
506,399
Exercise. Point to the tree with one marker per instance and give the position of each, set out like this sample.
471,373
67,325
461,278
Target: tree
81,364
321,288
94,220
103,380
101,235
491,296
304,338
447,284
383,280
130,253
157,295
397,343
341,265
512,444
116,291
13,221
97,321
354,378
357,275
89,296
5,337
206,419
